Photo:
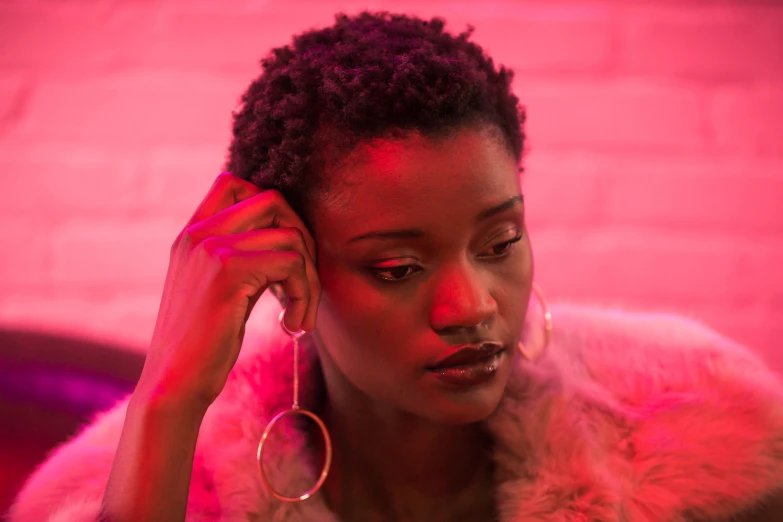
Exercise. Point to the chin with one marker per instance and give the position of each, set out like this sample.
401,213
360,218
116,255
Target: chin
466,405
469,412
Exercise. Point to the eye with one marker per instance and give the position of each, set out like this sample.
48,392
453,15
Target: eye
394,273
399,273
501,249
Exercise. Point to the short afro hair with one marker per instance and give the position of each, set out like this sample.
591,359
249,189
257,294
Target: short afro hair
368,76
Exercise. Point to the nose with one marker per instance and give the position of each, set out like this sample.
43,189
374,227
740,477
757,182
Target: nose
461,299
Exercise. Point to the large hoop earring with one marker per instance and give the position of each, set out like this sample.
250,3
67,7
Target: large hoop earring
295,410
547,323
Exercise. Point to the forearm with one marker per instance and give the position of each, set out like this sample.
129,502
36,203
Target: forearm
151,473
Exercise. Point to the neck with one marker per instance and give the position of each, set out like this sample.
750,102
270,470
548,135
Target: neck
395,463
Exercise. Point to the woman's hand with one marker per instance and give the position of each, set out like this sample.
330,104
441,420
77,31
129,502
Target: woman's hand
240,240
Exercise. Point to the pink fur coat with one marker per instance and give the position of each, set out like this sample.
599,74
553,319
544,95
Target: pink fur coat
623,417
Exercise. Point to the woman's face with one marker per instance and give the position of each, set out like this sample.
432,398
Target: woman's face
416,256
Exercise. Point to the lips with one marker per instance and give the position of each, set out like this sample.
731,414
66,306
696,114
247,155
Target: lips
467,355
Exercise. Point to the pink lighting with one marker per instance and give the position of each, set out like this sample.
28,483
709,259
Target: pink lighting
653,175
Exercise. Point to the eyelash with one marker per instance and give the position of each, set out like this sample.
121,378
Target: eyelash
376,271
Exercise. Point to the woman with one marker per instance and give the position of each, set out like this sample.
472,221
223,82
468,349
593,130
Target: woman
374,186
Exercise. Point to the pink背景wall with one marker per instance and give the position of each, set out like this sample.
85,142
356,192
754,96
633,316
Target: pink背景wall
654,176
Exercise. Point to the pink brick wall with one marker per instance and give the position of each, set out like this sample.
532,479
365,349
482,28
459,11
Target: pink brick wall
655,178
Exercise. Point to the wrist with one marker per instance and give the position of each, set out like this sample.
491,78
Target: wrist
156,401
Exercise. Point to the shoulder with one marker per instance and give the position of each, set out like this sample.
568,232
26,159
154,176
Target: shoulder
71,482
69,485
701,415
74,476
638,355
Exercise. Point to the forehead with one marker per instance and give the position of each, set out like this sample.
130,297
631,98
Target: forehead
418,179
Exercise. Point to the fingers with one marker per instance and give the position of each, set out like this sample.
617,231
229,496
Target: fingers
225,191
267,209
247,271
279,239
227,218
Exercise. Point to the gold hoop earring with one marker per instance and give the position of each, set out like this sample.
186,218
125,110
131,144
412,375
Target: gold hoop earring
547,323
295,410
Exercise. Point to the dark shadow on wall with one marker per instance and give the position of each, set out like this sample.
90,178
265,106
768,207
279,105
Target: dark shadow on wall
50,386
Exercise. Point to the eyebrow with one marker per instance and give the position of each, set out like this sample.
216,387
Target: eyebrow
413,233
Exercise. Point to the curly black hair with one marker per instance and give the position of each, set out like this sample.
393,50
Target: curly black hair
371,75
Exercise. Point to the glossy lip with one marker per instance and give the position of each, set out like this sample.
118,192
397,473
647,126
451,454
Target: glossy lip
467,354
471,375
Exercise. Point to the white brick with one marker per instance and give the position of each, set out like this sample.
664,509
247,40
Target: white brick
734,41
562,189
732,195
662,267
112,253
125,320
25,250
749,120
67,180
628,115
134,107
71,35
15,89
176,179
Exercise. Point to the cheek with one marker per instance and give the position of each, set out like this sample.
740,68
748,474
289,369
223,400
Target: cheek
358,324
513,293
365,339
521,272
345,300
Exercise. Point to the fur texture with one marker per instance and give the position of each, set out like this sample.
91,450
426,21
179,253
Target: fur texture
623,417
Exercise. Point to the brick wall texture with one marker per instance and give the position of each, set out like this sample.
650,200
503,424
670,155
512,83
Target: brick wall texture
654,179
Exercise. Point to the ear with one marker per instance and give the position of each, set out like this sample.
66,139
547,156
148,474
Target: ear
279,293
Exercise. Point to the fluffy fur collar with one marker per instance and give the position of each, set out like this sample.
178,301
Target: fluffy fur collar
623,417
